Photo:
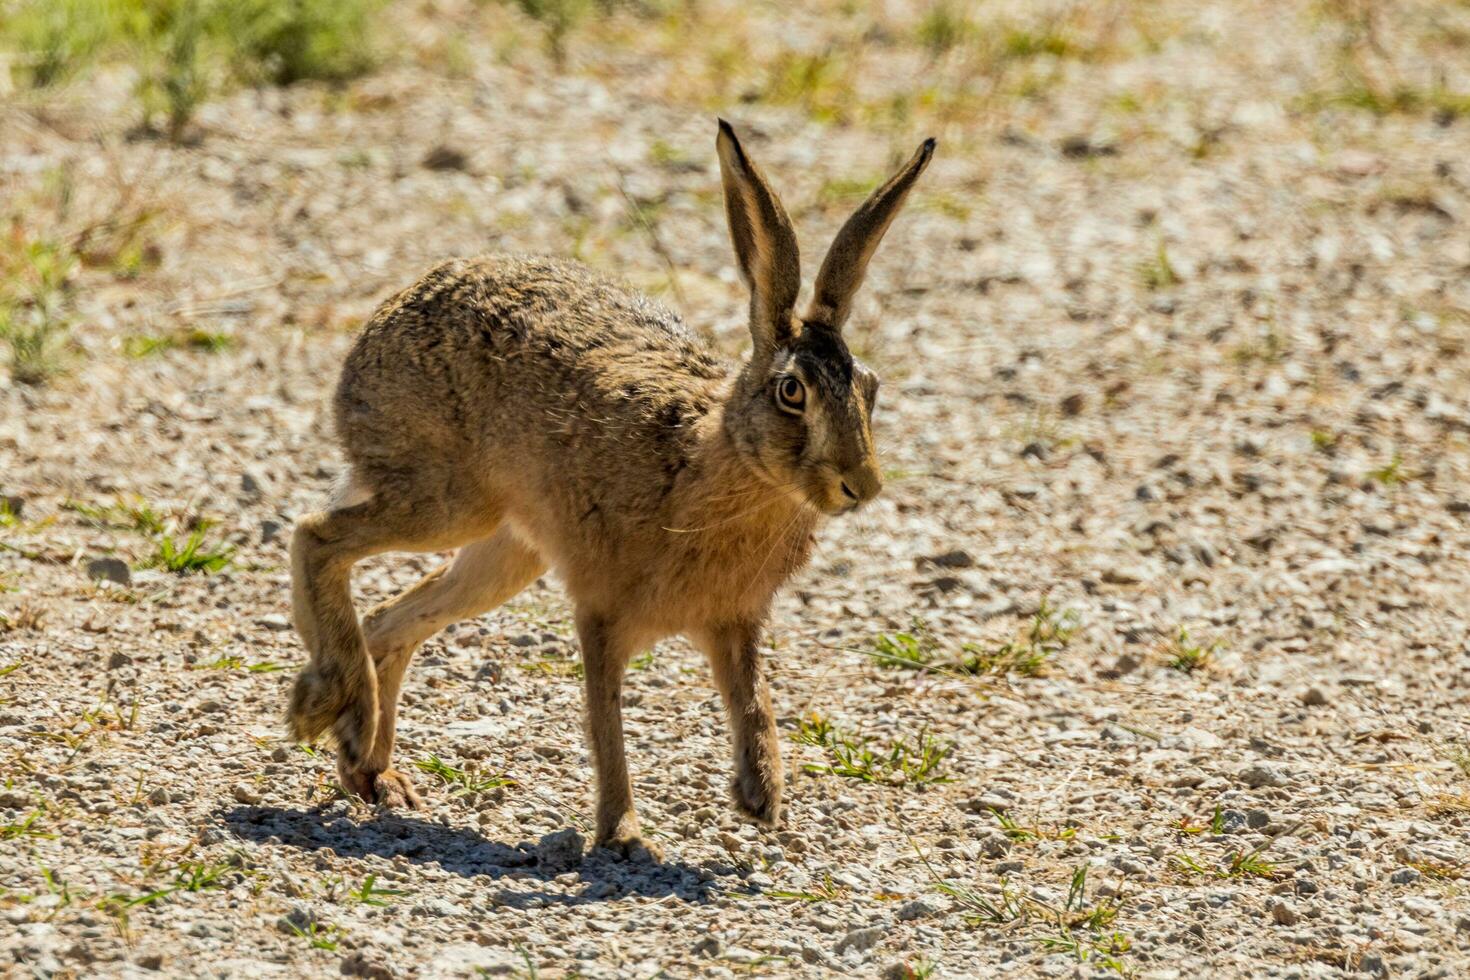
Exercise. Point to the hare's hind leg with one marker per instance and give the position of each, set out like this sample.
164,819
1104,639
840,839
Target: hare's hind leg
338,689
734,656
482,576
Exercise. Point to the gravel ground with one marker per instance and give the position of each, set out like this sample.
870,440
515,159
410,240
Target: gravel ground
1175,419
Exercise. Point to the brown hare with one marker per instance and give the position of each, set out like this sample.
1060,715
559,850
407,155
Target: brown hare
534,415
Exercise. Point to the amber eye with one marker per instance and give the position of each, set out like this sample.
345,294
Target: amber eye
791,395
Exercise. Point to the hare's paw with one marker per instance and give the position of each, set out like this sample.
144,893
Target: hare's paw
626,842
632,847
315,704
323,700
389,788
394,790
756,788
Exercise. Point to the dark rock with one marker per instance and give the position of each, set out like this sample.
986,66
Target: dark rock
1080,147
941,583
109,570
559,851
358,965
949,559
444,157
1263,774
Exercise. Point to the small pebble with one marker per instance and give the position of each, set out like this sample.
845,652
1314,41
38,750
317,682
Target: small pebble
245,793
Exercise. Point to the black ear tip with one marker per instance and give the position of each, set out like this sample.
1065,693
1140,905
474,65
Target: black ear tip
728,132
929,145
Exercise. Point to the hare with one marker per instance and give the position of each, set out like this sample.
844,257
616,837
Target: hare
534,415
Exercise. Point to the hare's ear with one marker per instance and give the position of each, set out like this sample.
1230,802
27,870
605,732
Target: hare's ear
846,262
765,245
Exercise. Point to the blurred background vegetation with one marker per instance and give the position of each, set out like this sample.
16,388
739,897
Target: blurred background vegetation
183,52
954,58
965,70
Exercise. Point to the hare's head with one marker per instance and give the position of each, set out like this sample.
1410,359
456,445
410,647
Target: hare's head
802,408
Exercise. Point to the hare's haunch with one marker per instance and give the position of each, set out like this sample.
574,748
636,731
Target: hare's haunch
535,416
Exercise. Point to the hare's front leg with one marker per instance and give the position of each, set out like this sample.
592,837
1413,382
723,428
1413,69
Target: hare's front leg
605,655
734,656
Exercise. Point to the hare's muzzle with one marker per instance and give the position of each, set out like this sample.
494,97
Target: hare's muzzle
859,485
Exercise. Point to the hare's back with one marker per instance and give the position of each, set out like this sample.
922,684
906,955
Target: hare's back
534,340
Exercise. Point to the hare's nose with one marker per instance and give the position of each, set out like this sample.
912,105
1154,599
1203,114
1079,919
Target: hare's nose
861,484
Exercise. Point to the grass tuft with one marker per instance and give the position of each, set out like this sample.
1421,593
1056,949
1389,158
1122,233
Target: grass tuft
1237,864
1188,656
918,648
558,18
1082,929
826,891
906,651
1216,825
1457,753
1031,832
25,827
1157,272
54,39
189,556
1020,44
464,782
318,936
135,514
236,662
35,308
202,341
912,762
289,41
1049,632
918,968
1390,474
945,25
188,876
185,52
368,893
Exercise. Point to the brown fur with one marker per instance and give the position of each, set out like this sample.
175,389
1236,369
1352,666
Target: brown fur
535,415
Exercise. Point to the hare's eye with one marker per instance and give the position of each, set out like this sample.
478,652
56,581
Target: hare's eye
791,395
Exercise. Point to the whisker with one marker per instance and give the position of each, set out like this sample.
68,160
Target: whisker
761,488
777,494
734,517
779,535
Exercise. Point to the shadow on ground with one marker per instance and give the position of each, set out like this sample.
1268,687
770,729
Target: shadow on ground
468,853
